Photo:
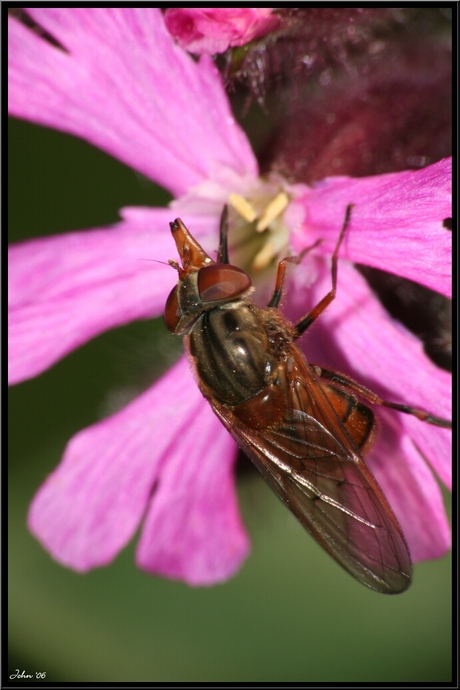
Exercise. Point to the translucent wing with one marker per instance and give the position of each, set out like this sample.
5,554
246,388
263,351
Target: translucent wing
314,466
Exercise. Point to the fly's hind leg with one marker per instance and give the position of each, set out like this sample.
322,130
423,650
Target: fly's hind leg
349,385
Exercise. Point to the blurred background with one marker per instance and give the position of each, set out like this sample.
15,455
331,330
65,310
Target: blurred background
291,614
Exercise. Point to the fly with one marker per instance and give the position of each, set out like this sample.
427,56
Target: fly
302,426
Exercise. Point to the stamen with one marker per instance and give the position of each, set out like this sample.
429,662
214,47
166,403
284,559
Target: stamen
263,258
273,210
242,207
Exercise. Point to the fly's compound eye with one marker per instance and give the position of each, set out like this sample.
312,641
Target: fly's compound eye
172,311
222,282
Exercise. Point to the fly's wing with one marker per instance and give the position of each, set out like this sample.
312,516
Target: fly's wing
315,468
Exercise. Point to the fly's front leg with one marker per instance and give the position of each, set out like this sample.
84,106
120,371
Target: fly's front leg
302,325
352,386
222,254
278,291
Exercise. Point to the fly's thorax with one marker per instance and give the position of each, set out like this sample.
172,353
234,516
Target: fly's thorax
231,352
279,330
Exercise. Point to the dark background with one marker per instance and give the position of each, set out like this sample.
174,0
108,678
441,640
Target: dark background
291,614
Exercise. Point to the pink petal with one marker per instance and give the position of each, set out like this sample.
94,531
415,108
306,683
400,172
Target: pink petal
412,491
206,541
66,289
396,223
210,30
91,505
124,86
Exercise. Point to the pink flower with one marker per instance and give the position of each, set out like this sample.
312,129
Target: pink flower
211,30
165,461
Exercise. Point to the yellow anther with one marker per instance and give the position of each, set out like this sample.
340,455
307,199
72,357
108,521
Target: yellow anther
273,210
263,258
242,207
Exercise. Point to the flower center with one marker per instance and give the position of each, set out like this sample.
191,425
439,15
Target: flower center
259,233
259,221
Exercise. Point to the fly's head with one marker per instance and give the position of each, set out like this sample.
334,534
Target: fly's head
203,284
